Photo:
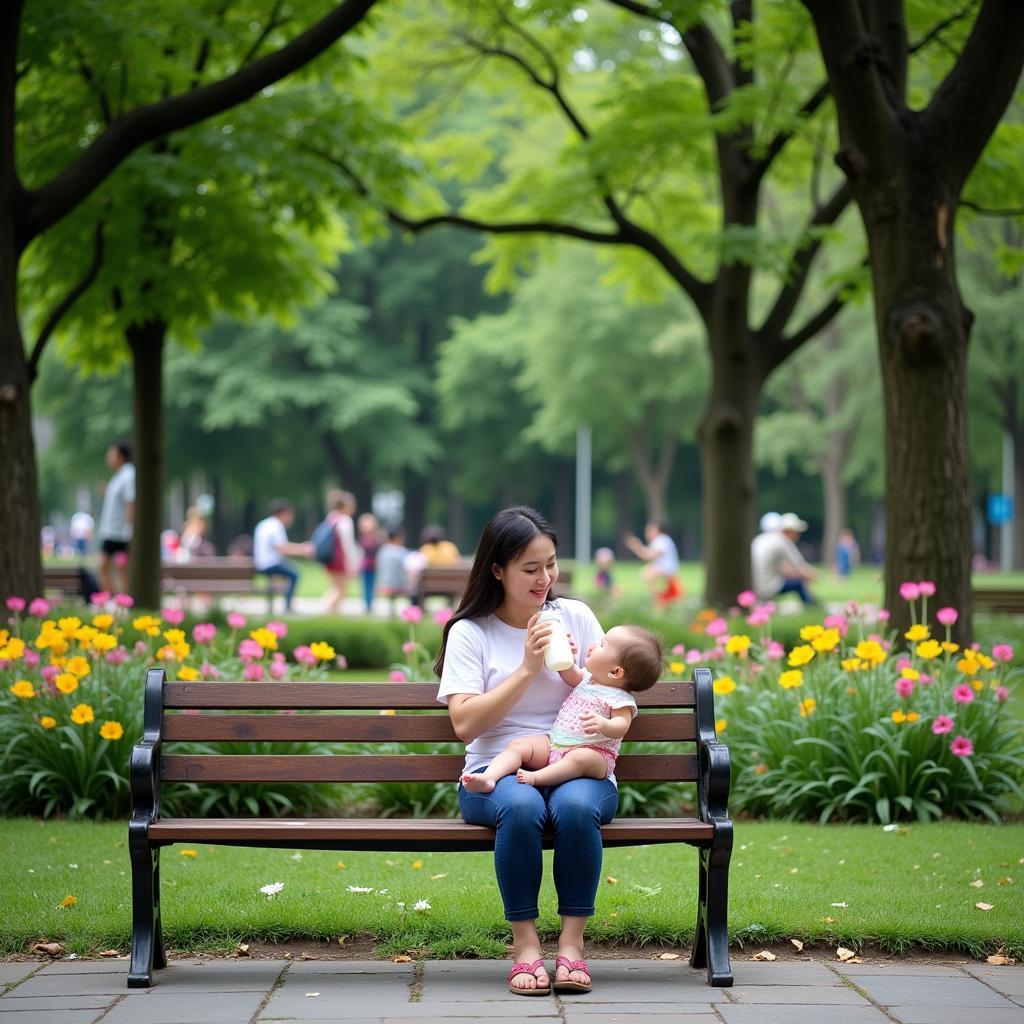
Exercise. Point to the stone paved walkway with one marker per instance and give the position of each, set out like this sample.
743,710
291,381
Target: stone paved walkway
462,992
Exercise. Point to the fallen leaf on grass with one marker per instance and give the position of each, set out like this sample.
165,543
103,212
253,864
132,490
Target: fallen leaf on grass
999,959
242,949
976,884
417,864
68,901
342,939
798,945
844,904
984,906
828,920
612,881
49,948
764,955
401,958
846,955
434,878
341,865
109,953
188,853
1005,881
668,956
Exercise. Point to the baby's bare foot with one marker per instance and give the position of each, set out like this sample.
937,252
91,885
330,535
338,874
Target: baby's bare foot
525,777
477,783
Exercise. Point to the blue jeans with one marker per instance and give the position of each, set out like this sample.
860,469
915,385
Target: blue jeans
369,580
798,587
285,570
575,811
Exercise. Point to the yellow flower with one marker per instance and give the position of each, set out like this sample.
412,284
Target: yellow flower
977,684
720,724
103,621
23,689
810,632
724,685
174,652
78,666
928,650
81,714
188,853
985,661
323,651
912,716
111,730
676,667
66,682
174,636
910,673
148,624
737,644
801,655
267,639
870,651
69,627
4,634
104,642
826,641
68,901
807,707
84,635
48,722
850,664
969,663
791,680
13,649
917,633
188,674
899,717
949,647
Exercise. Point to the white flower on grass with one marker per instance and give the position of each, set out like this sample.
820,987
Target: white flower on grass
272,889
421,905
297,855
359,888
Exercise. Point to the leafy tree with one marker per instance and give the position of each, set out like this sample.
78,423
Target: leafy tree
41,55
908,145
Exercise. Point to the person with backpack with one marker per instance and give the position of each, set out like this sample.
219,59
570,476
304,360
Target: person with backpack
334,545
270,546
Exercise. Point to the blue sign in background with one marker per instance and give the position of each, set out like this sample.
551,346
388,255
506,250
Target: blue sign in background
1000,509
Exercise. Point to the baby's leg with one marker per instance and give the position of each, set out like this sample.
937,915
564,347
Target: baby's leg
579,763
531,751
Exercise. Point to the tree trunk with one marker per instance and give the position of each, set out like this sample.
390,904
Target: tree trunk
622,486
146,342
922,334
834,493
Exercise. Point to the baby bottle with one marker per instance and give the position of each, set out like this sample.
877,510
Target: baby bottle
558,654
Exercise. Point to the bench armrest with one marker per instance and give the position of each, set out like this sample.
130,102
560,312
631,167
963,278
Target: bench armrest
714,766
144,766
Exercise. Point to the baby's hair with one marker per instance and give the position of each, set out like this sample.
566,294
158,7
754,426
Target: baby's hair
642,658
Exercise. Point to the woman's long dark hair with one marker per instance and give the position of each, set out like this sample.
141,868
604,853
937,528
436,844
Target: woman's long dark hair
503,541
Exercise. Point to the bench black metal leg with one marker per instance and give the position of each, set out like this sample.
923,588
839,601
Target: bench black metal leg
147,942
711,941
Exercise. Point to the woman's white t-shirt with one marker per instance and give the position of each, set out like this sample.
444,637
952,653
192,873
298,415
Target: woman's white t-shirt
481,653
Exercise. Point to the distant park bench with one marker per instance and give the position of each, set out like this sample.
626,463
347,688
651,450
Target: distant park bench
450,581
214,576
1000,599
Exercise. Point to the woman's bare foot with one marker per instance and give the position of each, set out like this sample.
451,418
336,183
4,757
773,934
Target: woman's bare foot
478,784
525,777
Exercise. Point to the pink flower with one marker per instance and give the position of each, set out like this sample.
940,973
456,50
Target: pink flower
904,687
412,613
902,663
204,632
236,620
278,670
853,608
277,656
208,671
694,656
279,629
909,591
769,606
31,658
774,650
140,646
962,747
304,656
840,622
926,588
758,617
174,616
942,724
253,672
408,647
16,604
963,694
947,616
341,661
883,614
120,558
123,600
1002,652
1002,694
716,627
248,649
679,650
733,612
442,615
100,597
397,677
747,599
50,672
924,679
38,607
118,656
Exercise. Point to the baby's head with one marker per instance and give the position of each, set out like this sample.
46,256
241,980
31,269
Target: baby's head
628,657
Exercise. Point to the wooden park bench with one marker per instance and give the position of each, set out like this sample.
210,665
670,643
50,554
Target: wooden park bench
235,711
450,581
999,599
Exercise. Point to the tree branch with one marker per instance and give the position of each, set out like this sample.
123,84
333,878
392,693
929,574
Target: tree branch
94,86
990,211
775,147
62,307
936,30
57,198
273,22
967,106
644,10
776,354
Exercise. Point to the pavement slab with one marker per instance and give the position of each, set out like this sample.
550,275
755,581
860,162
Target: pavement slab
964,992
192,1007
10,973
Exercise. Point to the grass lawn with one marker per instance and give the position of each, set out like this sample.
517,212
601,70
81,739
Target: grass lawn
907,887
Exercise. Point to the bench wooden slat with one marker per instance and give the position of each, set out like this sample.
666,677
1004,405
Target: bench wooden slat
380,768
999,599
358,696
392,834
374,728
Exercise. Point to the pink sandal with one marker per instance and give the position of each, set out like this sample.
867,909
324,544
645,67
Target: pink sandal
525,968
567,985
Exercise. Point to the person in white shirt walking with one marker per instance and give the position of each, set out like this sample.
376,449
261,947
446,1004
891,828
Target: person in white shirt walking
776,563
270,546
662,558
117,520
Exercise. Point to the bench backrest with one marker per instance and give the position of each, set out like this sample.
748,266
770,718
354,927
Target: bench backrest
209,569
200,712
